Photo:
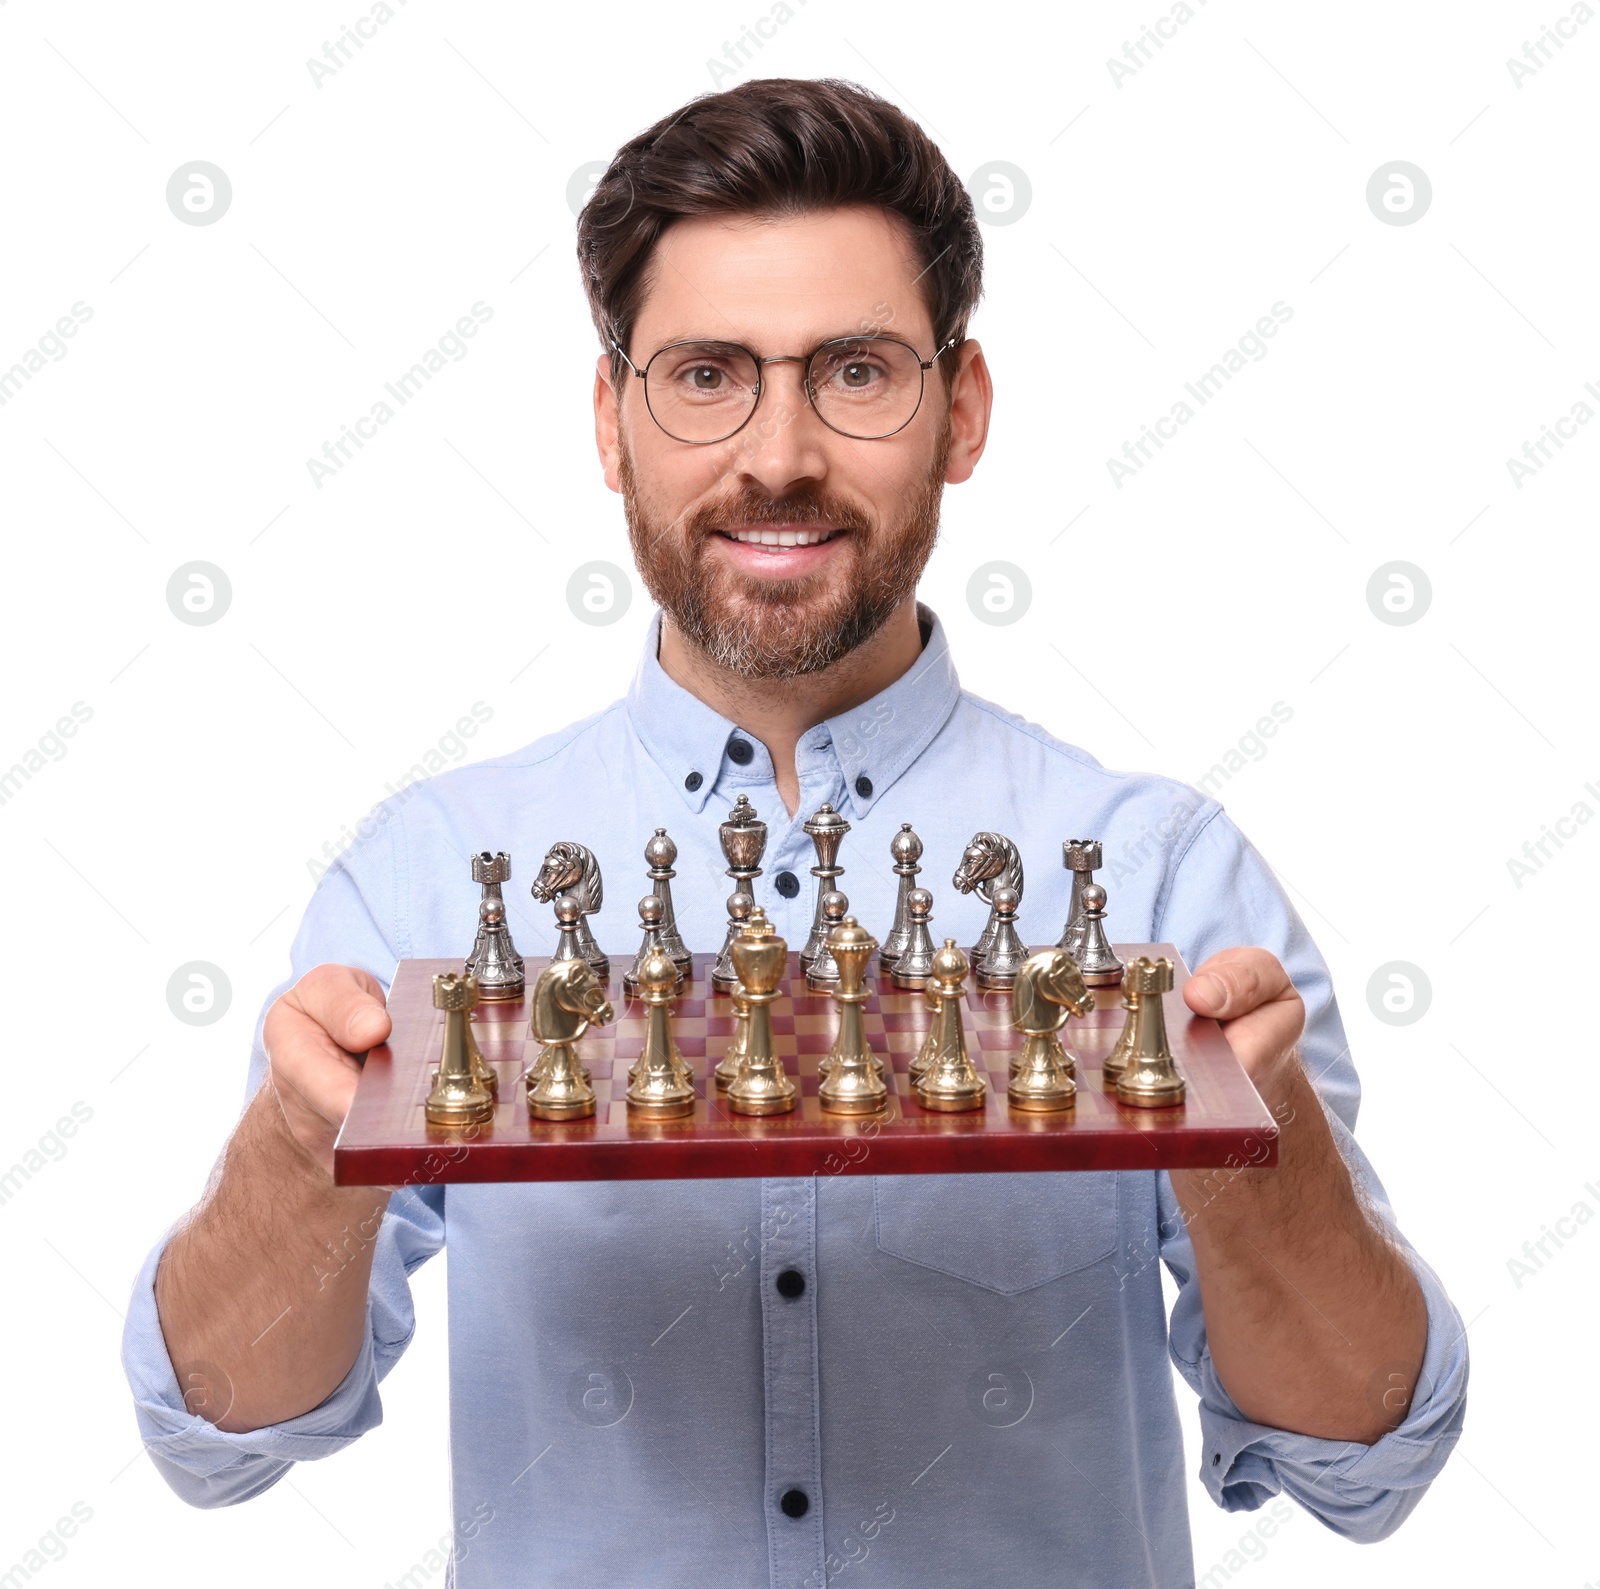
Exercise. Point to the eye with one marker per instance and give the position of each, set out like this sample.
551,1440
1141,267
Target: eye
707,378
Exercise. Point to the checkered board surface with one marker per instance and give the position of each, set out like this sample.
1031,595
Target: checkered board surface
387,1141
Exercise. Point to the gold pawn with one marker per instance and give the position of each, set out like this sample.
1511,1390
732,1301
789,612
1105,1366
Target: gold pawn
950,1083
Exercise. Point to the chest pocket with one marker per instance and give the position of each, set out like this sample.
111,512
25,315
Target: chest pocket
1007,1233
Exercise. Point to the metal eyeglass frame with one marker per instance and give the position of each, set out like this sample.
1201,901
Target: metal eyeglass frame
923,366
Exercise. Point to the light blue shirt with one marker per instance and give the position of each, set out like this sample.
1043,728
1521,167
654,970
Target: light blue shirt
973,1383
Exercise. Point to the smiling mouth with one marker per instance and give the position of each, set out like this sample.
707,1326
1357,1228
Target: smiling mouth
769,537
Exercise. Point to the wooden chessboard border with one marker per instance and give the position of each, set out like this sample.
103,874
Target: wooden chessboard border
386,1140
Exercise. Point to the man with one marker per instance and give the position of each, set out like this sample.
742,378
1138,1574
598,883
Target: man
924,1380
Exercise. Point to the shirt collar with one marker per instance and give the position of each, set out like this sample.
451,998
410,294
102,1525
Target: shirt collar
874,743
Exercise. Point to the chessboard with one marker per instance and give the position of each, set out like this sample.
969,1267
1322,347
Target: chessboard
386,1141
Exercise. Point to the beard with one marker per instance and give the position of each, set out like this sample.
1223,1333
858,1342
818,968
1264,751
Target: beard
773,629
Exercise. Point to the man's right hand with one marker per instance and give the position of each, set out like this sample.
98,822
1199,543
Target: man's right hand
313,1035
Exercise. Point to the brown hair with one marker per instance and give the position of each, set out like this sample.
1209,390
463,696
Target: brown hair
779,146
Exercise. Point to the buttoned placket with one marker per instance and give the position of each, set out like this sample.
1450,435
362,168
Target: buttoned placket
792,1384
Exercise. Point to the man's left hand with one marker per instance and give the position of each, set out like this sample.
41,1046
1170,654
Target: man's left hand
1262,1016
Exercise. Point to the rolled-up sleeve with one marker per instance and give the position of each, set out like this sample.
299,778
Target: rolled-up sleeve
1221,893
204,1465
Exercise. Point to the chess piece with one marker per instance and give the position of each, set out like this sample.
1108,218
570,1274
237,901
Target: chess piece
989,862
740,904
572,869
753,923
823,973
458,1096
567,998
1116,1061
651,910
999,966
1048,993
1097,960
762,1087
854,1082
827,829
1150,1080
950,1083
494,960
659,853
744,842
1082,858
911,970
569,913
905,850
660,1084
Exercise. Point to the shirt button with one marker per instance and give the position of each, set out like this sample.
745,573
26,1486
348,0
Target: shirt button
791,1283
795,1503
786,884
693,782
864,787
741,751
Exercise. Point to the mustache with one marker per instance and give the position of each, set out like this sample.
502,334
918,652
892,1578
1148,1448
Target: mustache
810,505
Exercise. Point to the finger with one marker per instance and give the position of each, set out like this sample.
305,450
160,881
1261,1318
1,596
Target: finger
1236,981
346,1003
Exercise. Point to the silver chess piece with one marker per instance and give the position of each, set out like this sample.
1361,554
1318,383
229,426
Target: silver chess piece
1097,960
494,960
905,850
1002,962
571,868
827,829
1082,858
915,964
659,853
650,914
740,903
823,972
744,842
989,862
568,914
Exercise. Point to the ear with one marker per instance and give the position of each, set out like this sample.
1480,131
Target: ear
971,402
606,420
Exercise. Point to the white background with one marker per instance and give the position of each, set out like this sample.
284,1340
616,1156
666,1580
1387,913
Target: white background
1168,214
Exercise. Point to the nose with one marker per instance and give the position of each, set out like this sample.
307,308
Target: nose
784,442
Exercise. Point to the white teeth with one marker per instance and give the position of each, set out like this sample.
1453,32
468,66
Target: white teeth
782,537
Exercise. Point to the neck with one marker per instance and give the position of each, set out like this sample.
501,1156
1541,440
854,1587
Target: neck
779,711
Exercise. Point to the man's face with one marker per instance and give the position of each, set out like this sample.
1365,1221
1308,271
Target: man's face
702,519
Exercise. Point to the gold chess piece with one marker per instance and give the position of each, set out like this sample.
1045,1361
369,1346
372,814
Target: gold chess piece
567,1000
950,1083
854,1084
1151,1079
1117,1060
1049,991
660,1084
753,922
458,1096
761,1087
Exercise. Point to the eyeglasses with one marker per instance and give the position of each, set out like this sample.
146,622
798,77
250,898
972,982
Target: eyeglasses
863,387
